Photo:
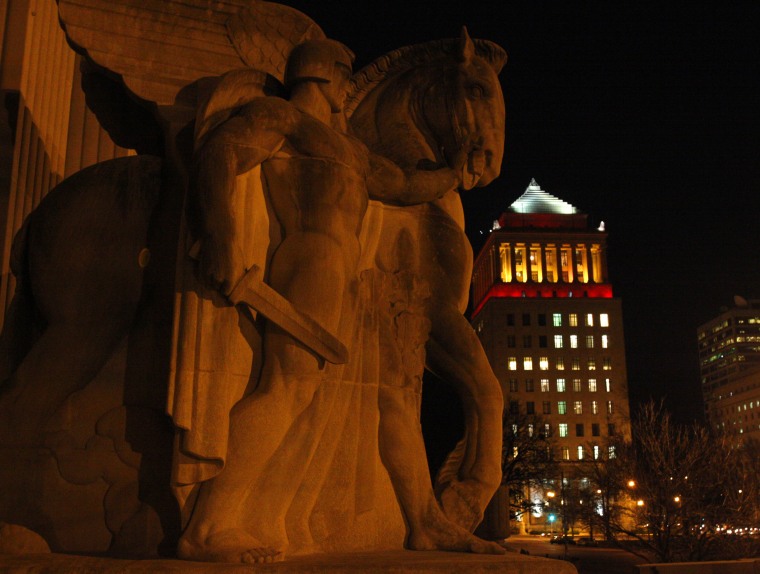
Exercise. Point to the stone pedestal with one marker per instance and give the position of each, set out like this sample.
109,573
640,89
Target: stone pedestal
403,561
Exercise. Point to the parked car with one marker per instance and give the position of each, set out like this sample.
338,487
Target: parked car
586,541
559,539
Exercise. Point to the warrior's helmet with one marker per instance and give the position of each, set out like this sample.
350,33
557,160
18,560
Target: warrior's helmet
316,60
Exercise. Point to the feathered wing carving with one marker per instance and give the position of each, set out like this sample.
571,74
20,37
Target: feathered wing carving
162,47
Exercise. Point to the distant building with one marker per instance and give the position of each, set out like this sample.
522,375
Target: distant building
729,365
553,332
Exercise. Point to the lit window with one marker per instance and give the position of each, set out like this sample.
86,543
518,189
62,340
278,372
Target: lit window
604,320
558,342
560,385
611,452
565,453
573,320
530,428
578,407
515,452
591,364
543,363
594,408
512,363
596,452
512,385
547,408
605,342
528,363
576,364
607,363
562,408
544,385
607,385
589,341
560,363
547,429
563,429
580,452
577,385
609,407
592,385
589,319
573,341
557,319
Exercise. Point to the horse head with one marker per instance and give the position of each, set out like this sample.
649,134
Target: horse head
424,102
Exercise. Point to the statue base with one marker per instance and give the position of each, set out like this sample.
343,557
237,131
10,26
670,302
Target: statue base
361,562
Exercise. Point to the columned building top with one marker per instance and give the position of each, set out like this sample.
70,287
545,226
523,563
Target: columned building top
541,246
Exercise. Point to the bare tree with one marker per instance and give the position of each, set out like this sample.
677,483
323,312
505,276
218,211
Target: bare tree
696,488
527,458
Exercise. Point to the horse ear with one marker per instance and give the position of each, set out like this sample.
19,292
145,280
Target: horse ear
466,46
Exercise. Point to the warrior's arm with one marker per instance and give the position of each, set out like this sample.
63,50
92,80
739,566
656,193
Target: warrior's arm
234,148
390,183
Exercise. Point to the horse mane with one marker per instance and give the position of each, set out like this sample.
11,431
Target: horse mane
403,59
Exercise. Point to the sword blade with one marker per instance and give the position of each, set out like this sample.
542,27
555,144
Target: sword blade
253,292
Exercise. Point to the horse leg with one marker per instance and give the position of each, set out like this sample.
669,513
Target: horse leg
64,359
402,451
19,334
455,354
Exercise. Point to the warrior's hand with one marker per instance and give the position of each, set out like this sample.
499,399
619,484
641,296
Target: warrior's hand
220,264
469,163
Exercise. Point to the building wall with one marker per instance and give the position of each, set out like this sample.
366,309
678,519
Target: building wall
729,349
570,375
55,134
736,406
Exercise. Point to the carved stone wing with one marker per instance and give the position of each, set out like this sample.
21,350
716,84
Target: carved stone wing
162,47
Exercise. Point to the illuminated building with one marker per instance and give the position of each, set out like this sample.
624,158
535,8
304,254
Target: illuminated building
729,364
553,331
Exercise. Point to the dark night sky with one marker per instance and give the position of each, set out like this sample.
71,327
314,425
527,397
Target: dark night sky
645,115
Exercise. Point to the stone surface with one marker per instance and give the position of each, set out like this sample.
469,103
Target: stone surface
748,566
405,562
15,539
282,440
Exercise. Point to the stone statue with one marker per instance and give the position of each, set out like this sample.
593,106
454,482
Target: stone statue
319,182
296,413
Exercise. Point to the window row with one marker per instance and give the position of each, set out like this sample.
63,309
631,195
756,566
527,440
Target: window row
559,363
546,430
561,385
581,452
573,341
592,407
561,319
550,262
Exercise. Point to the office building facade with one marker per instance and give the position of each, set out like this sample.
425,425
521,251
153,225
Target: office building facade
729,365
544,310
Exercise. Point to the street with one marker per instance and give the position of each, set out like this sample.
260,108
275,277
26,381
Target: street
586,560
